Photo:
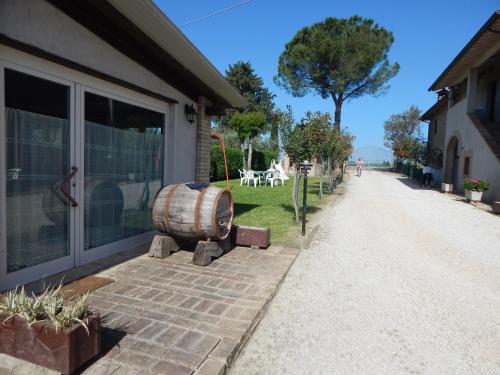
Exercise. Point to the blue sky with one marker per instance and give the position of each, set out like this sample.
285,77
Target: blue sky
428,35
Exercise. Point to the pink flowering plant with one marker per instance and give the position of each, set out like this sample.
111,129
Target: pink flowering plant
475,184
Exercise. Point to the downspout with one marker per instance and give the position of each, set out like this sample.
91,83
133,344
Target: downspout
223,147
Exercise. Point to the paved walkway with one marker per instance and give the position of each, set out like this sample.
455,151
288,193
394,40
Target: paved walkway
399,280
168,316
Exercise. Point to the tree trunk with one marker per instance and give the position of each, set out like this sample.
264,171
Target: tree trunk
243,154
330,178
295,196
321,174
249,161
338,100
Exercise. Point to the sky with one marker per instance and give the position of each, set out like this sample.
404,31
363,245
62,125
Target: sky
428,35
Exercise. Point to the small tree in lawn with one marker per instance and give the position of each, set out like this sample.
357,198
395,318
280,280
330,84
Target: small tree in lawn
247,125
318,133
403,134
341,58
295,142
342,147
259,99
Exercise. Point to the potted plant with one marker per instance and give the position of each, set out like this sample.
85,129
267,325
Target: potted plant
474,189
47,330
446,188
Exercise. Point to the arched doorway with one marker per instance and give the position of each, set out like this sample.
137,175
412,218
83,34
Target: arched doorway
452,161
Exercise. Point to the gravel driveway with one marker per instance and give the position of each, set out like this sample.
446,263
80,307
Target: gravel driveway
399,280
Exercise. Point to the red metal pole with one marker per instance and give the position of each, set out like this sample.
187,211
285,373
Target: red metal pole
221,141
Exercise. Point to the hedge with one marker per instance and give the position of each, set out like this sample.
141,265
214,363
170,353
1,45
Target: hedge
261,160
234,162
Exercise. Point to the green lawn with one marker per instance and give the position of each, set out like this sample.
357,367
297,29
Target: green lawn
264,206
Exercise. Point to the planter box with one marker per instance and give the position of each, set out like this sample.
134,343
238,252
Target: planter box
495,206
63,351
473,196
446,188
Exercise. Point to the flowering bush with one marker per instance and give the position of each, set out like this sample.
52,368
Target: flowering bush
475,184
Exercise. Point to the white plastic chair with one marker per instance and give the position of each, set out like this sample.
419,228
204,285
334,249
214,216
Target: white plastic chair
252,177
282,175
273,178
243,177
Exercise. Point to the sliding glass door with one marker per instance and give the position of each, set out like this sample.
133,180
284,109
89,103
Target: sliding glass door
79,170
124,167
37,168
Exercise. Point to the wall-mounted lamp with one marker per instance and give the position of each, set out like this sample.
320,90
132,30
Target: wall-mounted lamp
190,112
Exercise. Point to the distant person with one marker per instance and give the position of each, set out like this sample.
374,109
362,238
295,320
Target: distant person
359,166
427,175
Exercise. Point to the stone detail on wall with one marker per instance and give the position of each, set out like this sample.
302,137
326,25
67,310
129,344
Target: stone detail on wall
203,142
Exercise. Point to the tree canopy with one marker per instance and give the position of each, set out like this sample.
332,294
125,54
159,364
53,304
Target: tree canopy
341,58
251,86
403,134
257,117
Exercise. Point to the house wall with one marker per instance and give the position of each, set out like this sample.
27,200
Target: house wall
436,141
484,164
53,31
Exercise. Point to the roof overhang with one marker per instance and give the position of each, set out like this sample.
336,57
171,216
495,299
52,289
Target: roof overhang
472,54
140,30
436,108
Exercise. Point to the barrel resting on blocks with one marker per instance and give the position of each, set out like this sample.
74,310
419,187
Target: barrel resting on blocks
192,212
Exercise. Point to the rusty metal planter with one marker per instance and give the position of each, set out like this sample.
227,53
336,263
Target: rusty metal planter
63,350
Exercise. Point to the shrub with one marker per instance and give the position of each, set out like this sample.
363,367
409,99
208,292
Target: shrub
261,160
49,306
475,184
234,159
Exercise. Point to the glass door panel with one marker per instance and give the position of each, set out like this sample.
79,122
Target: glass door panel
37,146
123,169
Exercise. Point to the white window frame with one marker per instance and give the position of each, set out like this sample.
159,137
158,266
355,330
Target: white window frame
79,83
12,279
130,242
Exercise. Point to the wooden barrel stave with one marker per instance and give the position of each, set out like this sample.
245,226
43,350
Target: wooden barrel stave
181,211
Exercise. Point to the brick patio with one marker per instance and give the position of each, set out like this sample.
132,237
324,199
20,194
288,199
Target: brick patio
168,316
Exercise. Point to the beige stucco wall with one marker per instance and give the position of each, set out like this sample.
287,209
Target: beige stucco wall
38,23
484,164
437,141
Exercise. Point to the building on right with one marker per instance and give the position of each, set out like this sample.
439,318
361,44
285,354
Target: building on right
467,130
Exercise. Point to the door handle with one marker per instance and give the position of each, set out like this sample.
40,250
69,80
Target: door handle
65,185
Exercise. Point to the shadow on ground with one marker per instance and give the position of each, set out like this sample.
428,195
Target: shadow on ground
241,208
414,184
110,340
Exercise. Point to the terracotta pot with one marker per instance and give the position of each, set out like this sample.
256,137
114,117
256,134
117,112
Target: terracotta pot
473,196
63,350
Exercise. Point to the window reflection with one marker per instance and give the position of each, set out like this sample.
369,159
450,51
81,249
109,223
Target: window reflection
123,168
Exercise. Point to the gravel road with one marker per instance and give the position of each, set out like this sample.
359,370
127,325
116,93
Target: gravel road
399,280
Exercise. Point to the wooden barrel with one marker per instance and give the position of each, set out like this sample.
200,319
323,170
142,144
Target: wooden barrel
193,211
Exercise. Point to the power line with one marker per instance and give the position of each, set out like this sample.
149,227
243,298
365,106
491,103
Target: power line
216,13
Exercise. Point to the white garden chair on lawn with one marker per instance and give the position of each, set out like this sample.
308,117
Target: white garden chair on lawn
282,175
273,178
243,177
251,176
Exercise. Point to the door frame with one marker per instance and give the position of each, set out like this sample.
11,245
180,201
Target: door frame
80,83
12,279
84,256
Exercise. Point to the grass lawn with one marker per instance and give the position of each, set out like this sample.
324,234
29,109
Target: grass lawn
264,206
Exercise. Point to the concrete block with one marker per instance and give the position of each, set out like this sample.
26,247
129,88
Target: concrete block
251,236
163,246
205,251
